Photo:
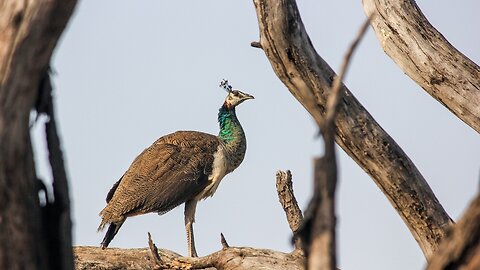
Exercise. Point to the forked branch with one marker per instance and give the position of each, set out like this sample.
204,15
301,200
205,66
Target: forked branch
309,78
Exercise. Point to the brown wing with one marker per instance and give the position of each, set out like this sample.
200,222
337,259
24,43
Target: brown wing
168,173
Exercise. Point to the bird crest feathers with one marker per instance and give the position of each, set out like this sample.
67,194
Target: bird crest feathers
227,87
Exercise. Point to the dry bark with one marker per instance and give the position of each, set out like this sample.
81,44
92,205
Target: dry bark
427,57
29,31
289,204
239,258
286,44
461,248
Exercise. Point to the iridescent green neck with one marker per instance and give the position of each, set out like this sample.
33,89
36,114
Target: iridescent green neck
232,135
230,128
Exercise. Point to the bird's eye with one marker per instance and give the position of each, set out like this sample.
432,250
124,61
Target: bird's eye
235,94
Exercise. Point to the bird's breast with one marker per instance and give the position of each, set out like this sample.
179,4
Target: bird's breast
219,170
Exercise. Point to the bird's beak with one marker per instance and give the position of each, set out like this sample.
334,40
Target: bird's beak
247,96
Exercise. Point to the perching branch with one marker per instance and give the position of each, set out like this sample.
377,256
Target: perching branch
427,57
309,78
238,258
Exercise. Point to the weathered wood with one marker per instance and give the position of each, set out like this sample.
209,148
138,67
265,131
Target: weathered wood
289,203
427,57
461,248
286,44
244,258
29,31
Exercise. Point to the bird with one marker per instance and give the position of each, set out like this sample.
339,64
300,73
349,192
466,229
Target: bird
182,167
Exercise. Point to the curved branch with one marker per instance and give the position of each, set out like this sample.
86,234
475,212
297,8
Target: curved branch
308,77
427,57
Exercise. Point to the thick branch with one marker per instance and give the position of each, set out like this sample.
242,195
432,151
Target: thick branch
308,77
461,248
427,57
88,258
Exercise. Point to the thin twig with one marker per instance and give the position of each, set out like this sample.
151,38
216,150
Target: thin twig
223,241
336,94
154,250
318,230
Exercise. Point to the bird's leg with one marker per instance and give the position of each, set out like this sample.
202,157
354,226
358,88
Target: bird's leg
190,207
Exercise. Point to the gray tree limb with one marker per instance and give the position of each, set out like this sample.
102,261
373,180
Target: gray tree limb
427,57
286,44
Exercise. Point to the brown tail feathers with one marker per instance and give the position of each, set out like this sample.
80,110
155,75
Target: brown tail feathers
111,232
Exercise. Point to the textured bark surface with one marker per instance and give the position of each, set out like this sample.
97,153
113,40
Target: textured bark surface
461,248
427,57
29,31
289,203
286,44
93,258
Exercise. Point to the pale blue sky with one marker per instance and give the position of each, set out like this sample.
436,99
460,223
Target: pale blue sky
128,72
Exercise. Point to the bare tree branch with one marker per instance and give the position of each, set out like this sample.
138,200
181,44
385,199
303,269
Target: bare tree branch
336,94
289,203
427,57
238,258
461,248
309,78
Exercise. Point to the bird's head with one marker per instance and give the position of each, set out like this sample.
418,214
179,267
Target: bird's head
234,97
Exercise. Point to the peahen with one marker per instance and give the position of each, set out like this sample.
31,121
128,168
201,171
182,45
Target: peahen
182,167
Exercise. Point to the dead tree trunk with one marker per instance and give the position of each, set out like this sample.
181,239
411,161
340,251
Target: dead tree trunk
286,44
29,31
427,57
